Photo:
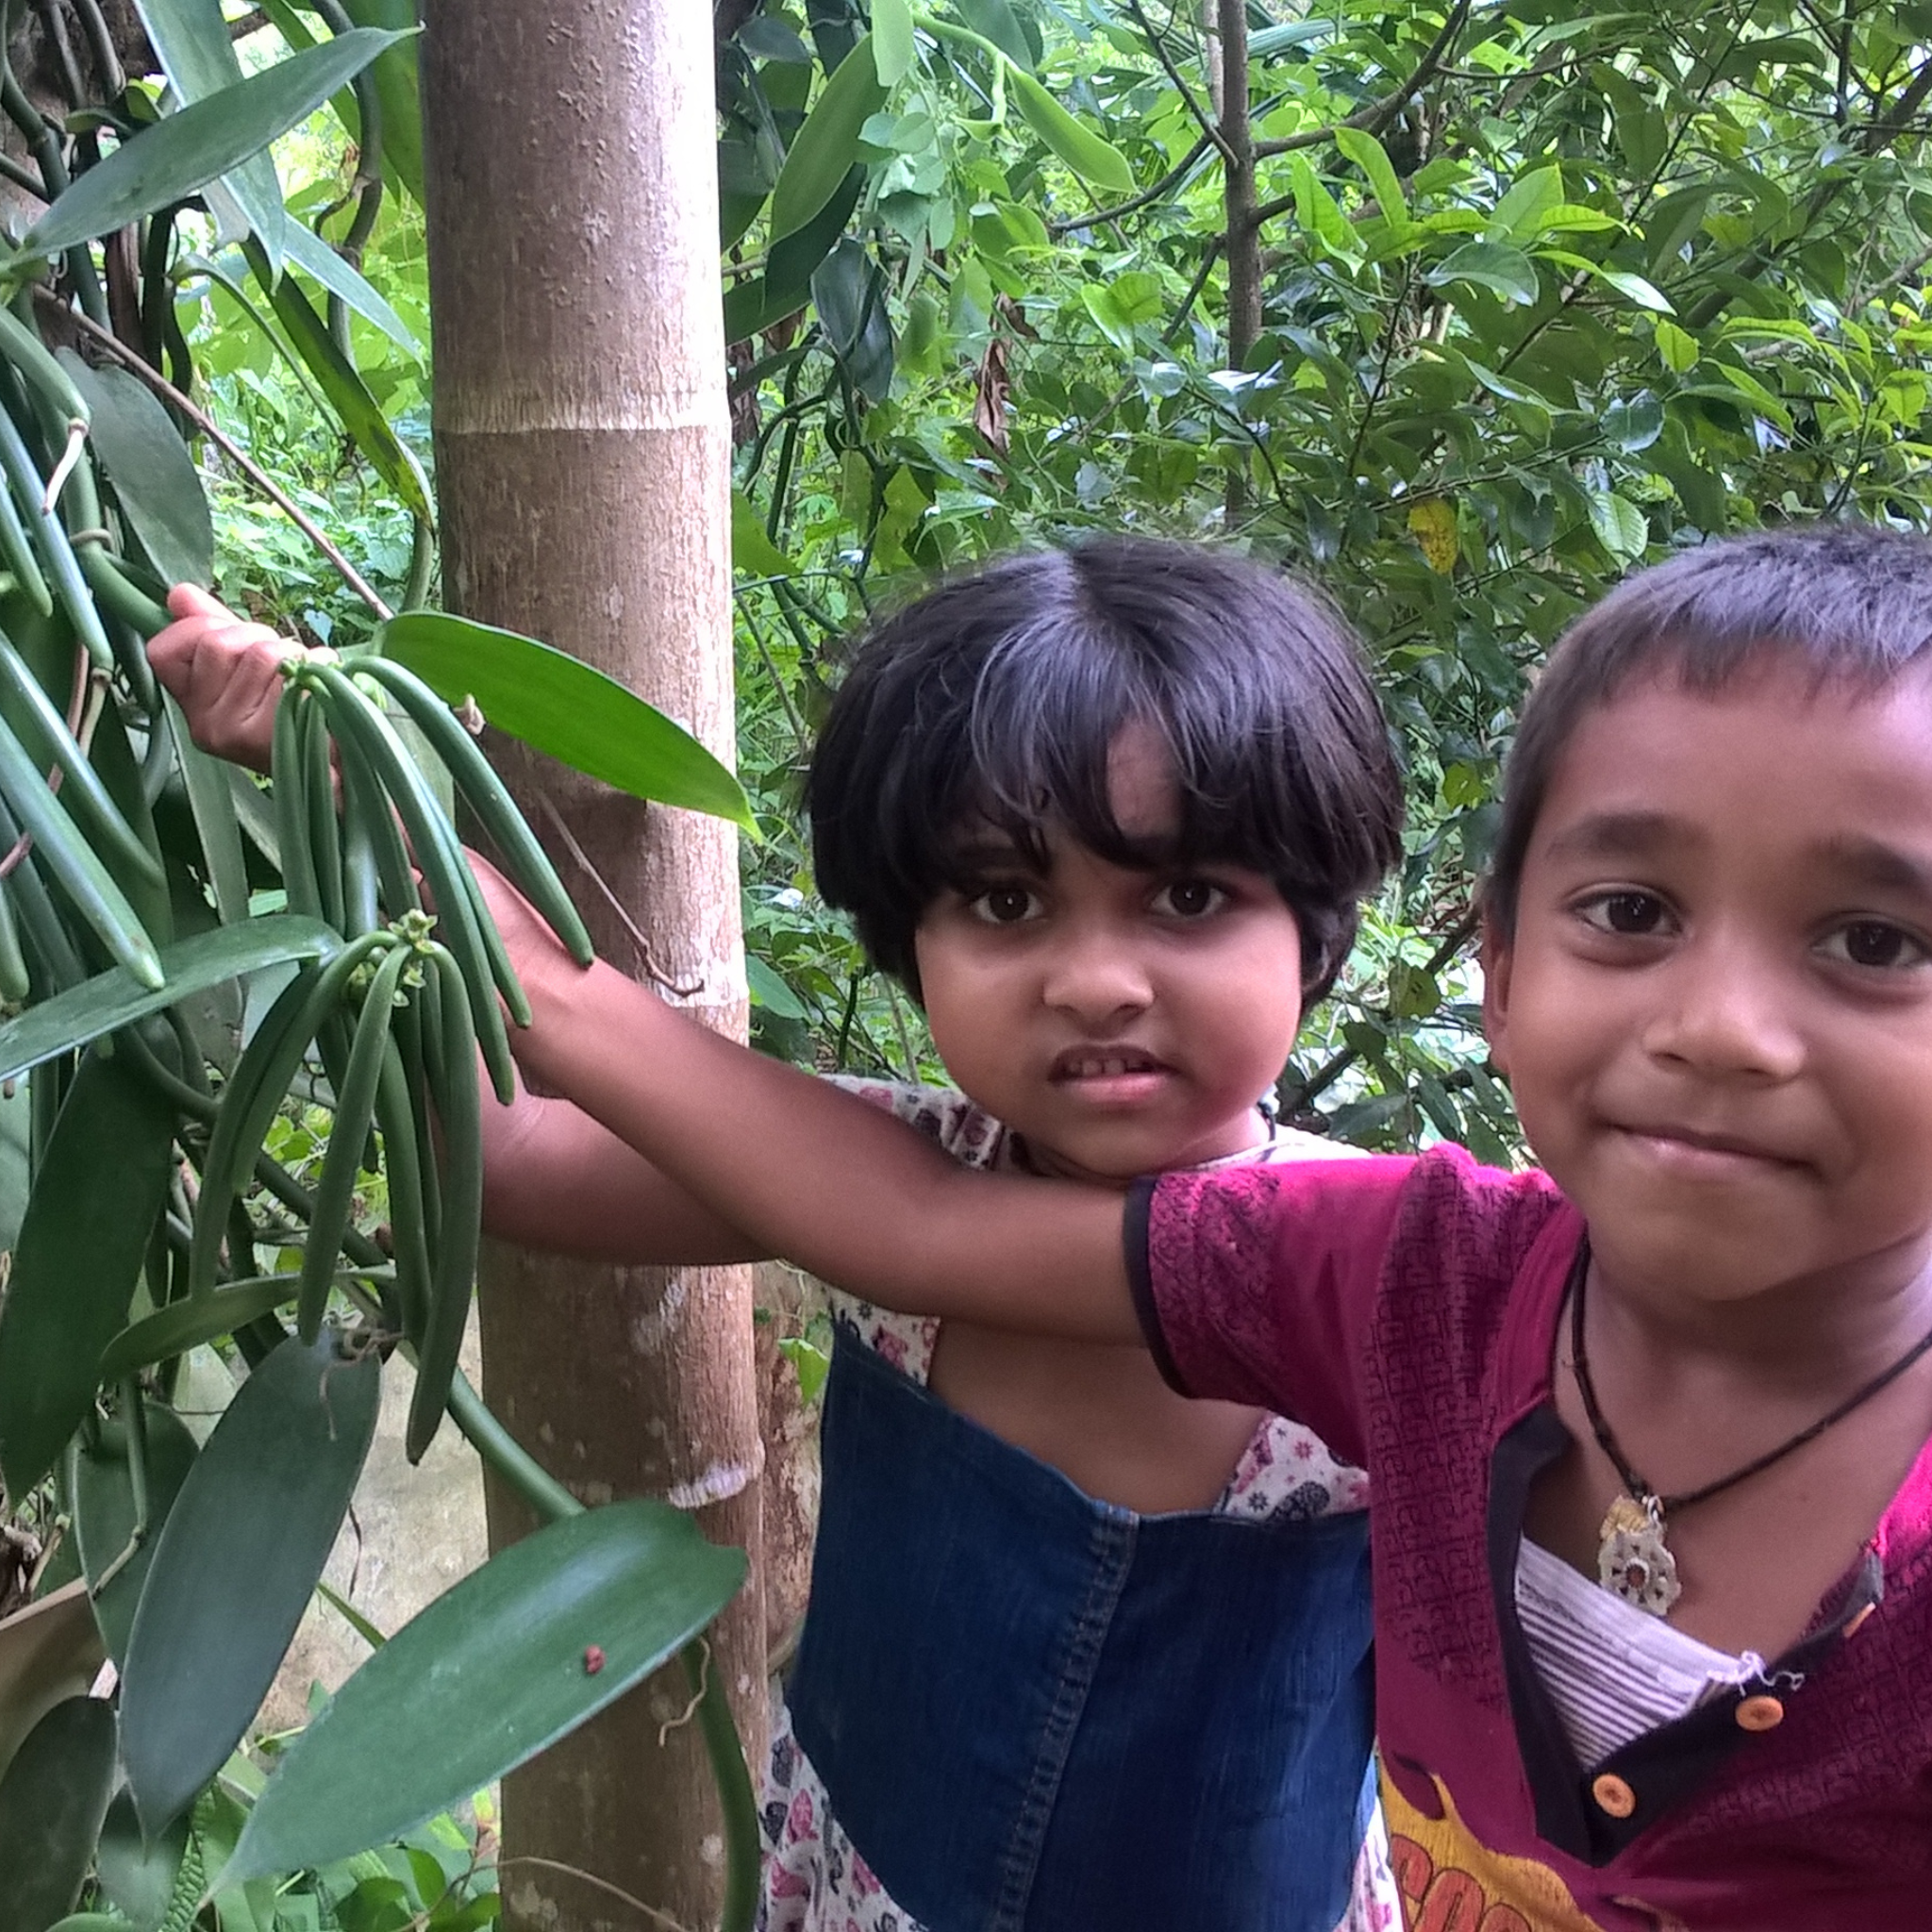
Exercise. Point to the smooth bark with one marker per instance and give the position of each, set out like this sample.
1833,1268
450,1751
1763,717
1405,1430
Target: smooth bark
582,447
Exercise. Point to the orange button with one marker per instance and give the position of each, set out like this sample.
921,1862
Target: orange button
1859,1619
1613,1795
1760,1714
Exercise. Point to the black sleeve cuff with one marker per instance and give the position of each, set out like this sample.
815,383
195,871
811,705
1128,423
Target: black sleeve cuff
1141,1280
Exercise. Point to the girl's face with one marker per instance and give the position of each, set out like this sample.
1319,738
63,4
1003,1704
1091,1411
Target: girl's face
1716,1007
1121,1021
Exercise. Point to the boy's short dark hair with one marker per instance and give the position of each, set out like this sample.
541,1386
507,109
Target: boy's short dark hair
999,695
1849,602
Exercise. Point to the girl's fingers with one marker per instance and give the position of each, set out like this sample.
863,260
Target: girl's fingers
225,671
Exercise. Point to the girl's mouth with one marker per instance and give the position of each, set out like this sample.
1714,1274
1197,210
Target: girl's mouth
1103,1064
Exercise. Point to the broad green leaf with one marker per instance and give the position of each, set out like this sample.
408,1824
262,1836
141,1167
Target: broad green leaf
192,42
562,706
138,1879
170,160
995,20
1097,299
1372,158
825,147
850,297
115,999
236,1565
104,1512
187,1323
1504,271
341,382
1620,527
1317,210
1635,425
1645,295
1094,159
789,269
1519,216
753,552
519,1654
52,1802
155,479
97,1190
891,41
314,256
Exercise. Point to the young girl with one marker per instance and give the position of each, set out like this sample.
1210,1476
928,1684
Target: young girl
1647,1430
1079,1654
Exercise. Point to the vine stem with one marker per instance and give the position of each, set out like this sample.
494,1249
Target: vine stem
228,446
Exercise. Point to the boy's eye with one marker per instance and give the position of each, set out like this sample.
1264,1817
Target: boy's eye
1004,905
1876,944
1629,915
1190,898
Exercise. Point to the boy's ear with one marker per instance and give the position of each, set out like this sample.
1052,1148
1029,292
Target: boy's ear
1498,959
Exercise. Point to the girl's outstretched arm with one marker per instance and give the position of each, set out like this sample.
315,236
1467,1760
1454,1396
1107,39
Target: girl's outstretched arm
809,1172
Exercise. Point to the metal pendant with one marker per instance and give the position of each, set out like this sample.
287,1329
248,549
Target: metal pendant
1632,1558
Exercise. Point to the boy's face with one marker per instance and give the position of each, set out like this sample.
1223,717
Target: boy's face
1716,1007
1122,1021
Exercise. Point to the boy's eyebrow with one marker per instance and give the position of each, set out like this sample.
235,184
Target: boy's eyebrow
1871,863
1620,835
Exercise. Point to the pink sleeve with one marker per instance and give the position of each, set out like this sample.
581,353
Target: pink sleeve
1256,1284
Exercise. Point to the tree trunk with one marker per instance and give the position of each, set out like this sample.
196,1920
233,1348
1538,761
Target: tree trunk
582,448
1243,234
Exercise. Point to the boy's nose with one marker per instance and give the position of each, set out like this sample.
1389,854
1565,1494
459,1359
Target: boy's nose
1726,1010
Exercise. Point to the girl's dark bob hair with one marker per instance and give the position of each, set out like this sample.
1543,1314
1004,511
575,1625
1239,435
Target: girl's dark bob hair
1850,602
994,699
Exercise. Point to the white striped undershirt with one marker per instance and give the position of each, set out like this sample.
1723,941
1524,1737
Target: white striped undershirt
1614,1671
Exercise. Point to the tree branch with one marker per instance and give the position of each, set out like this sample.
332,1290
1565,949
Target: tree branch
1174,73
1377,114
231,449
1067,224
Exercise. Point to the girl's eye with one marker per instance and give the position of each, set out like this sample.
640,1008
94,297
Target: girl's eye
1876,945
1629,915
1190,898
1004,905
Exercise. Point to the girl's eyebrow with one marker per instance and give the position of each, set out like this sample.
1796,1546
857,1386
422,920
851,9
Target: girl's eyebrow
986,851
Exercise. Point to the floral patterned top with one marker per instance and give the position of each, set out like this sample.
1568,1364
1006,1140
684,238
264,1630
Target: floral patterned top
815,1881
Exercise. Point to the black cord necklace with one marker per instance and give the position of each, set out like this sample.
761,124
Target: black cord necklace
1632,1558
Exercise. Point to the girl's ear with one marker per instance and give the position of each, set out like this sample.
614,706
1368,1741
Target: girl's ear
1498,957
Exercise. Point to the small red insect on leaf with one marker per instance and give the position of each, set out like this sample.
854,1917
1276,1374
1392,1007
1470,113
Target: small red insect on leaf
593,1660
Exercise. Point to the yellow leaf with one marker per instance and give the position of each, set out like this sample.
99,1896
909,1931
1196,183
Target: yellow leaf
1433,526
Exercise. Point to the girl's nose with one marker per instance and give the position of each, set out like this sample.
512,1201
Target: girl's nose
1095,974
1725,1009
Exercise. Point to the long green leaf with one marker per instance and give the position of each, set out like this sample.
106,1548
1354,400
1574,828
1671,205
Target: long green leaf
52,1802
138,1879
189,1322
105,1514
555,1626
828,145
192,42
170,160
314,256
97,1193
217,822
341,382
566,708
1089,156
236,1565
115,999
155,479
396,87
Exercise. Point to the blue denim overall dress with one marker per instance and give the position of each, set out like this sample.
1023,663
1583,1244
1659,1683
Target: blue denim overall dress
1132,1722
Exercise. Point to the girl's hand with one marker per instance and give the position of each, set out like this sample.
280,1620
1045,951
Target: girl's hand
225,674
550,977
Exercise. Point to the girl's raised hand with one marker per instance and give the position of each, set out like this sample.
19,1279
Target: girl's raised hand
223,672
